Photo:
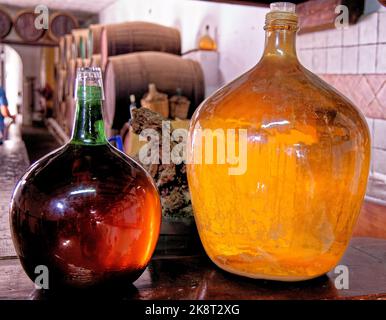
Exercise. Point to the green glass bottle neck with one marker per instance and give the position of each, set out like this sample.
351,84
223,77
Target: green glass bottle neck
89,126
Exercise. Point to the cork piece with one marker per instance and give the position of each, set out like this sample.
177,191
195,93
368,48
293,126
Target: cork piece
170,178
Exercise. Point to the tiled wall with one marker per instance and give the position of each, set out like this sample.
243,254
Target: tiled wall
354,61
358,49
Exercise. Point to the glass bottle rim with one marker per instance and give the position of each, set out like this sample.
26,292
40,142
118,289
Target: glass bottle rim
282,17
88,77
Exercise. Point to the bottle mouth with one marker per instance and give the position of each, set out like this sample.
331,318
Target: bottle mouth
89,84
281,17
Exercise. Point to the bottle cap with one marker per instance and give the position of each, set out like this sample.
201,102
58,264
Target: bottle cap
281,17
283,7
88,84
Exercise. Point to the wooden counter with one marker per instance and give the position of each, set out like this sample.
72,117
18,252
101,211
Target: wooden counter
197,278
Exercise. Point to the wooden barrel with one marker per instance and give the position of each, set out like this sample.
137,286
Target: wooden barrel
72,66
131,73
94,39
61,23
80,40
60,84
69,114
62,114
62,52
129,37
70,77
95,60
25,26
68,48
5,23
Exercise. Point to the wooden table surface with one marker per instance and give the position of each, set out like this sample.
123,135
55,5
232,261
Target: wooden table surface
195,277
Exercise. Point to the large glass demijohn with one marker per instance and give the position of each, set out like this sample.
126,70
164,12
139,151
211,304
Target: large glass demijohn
283,205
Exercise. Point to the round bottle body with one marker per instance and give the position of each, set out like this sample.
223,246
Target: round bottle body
90,214
283,201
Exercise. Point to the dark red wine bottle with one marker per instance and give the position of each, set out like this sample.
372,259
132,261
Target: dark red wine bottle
86,212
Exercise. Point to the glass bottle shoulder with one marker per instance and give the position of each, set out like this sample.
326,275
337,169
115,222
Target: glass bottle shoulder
277,91
74,164
74,175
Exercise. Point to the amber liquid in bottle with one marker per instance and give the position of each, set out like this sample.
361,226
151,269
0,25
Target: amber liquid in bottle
291,214
87,212
207,42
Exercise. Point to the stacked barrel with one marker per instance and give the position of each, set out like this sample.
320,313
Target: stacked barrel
131,55
72,54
